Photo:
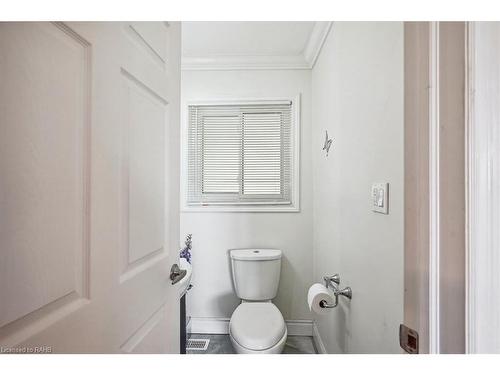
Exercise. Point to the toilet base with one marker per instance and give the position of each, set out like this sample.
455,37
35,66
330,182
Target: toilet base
276,349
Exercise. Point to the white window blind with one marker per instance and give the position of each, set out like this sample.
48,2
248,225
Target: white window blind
240,154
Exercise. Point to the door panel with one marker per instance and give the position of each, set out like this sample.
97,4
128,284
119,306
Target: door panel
151,36
89,196
44,163
144,167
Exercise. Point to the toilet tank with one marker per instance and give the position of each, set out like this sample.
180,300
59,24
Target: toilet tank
256,273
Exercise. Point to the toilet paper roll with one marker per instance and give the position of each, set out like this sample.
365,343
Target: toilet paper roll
317,293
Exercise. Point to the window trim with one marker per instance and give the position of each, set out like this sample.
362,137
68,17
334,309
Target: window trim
242,206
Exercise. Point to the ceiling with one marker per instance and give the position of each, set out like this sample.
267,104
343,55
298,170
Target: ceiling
251,45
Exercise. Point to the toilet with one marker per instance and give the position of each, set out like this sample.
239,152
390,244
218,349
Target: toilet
256,326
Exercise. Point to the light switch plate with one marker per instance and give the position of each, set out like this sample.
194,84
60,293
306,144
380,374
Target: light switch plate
380,197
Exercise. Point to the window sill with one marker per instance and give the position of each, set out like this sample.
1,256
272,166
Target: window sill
242,208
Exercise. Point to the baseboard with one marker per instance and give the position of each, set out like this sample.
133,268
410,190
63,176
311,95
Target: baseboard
318,341
210,326
299,327
220,326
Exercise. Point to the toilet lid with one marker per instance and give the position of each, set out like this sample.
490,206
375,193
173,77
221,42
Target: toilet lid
257,325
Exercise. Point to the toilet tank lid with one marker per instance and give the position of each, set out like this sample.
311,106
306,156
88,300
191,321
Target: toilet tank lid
255,254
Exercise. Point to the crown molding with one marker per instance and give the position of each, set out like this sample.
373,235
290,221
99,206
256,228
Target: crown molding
305,60
316,42
243,62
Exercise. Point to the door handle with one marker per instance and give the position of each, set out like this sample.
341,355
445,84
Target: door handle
176,274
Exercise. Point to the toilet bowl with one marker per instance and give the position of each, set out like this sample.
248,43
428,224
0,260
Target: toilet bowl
257,326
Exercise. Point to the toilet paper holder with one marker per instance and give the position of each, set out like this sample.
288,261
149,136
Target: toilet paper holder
333,283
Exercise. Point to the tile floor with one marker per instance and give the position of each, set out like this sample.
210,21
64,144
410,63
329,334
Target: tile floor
221,344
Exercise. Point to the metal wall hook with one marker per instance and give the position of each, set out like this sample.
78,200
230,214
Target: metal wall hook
327,144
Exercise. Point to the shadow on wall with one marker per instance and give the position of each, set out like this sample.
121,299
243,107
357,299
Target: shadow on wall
337,324
342,328
230,269
286,288
224,300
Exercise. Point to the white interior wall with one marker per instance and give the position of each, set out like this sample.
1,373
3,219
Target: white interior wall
357,94
483,329
216,232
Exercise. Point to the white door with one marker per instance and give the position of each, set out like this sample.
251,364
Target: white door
89,123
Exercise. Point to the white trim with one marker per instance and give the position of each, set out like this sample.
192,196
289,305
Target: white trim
316,42
241,101
299,327
471,191
220,326
210,326
305,60
318,341
483,190
244,62
434,189
239,208
296,150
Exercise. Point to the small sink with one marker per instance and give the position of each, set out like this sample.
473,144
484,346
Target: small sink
186,280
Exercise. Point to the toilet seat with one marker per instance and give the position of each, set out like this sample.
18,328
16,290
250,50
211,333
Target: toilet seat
257,326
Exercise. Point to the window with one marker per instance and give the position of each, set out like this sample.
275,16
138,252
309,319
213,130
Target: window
242,155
